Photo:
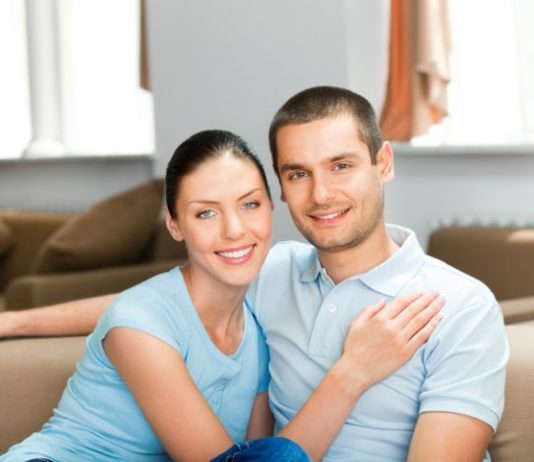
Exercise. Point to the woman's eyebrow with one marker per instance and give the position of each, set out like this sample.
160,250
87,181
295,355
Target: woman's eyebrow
208,201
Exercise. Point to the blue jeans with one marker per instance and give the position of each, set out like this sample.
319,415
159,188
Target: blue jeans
265,450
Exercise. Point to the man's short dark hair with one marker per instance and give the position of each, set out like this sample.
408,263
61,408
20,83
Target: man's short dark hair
321,102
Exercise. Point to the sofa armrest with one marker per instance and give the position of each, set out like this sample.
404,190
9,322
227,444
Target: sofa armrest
48,289
517,309
31,230
33,374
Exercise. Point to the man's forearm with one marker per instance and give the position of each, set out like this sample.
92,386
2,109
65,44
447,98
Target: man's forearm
77,317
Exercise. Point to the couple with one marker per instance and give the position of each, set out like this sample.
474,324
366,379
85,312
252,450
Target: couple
361,367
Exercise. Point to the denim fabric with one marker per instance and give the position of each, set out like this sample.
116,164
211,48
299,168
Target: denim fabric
265,450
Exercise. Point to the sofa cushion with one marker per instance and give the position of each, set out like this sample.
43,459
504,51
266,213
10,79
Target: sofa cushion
33,374
513,440
7,238
502,258
112,232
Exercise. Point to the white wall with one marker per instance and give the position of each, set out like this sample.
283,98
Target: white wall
231,65
69,184
483,187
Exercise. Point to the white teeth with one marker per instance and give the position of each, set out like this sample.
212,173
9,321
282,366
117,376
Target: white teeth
236,253
330,216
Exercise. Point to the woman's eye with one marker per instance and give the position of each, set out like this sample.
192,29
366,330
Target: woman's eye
206,214
251,205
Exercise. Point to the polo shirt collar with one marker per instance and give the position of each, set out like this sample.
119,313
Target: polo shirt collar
390,276
311,267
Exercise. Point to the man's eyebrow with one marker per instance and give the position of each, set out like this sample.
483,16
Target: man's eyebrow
342,156
207,201
290,167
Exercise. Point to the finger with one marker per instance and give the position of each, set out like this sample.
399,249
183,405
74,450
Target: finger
369,311
410,311
425,316
423,334
399,303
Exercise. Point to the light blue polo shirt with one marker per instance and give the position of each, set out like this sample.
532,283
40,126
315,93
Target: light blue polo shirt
305,318
98,419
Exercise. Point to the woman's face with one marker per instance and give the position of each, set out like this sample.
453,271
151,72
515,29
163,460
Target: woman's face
224,216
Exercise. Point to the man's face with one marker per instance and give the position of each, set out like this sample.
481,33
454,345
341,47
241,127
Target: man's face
333,191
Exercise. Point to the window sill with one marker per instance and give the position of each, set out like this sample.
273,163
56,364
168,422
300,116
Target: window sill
88,159
405,149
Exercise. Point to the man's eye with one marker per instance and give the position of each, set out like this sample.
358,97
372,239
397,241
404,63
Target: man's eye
251,205
206,214
341,166
297,175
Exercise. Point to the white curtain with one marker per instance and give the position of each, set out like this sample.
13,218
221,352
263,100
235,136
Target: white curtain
491,94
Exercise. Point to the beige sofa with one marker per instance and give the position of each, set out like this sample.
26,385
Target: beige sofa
33,371
50,258
503,258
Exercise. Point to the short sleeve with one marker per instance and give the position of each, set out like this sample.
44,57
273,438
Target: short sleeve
466,361
151,308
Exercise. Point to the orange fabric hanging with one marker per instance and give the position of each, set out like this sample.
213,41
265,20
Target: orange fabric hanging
416,95
144,76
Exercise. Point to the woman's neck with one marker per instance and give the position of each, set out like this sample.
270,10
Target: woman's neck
219,307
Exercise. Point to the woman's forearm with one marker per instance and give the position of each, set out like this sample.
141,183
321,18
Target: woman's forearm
324,413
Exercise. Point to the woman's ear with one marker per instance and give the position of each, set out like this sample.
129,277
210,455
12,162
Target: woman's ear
172,226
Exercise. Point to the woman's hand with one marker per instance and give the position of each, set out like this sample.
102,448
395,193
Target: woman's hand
386,335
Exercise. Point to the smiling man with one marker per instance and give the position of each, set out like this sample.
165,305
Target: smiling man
333,163
444,404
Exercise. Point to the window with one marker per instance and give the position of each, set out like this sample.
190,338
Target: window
72,80
491,94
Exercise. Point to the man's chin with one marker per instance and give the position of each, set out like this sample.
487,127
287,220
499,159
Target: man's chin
334,245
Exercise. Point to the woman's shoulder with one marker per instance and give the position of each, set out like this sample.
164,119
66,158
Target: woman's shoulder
155,305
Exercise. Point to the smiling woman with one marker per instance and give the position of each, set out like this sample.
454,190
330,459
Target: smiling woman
182,343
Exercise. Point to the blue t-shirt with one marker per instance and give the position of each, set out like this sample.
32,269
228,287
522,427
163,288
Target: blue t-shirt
305,317
98,418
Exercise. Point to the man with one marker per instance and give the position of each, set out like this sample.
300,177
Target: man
332,164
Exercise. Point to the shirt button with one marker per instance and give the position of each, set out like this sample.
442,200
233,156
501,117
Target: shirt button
332,308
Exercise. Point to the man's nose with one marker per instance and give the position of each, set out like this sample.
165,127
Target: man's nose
323,192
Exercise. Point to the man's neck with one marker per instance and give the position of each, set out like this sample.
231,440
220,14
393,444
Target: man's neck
368,254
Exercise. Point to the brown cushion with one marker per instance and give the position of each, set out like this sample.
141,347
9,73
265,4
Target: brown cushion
502,258
33,373
112,232
514,438
7,238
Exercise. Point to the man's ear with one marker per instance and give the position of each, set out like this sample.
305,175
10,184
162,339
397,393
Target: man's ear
172,226
282,195
385,162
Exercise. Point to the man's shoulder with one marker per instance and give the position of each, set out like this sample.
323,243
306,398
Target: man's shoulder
449,279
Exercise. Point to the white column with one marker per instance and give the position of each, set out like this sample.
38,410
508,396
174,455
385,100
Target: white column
44,79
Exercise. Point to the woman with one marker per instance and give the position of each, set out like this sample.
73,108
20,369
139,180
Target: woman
177,367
